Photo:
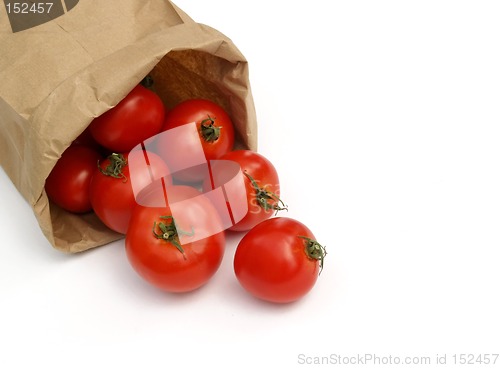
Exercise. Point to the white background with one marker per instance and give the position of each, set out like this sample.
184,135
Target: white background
382,118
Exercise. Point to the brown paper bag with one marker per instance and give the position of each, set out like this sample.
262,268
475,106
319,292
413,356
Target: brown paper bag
55,78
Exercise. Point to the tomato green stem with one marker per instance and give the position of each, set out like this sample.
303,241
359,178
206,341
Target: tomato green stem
115,167
314,250
170,232
209,131
266,198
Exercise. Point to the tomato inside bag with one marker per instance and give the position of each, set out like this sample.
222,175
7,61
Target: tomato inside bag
103,62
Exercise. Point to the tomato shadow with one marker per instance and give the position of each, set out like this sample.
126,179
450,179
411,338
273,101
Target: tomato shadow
134,287
234,237
139,288
244,301
228,290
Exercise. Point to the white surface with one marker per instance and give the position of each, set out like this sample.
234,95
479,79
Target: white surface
382,119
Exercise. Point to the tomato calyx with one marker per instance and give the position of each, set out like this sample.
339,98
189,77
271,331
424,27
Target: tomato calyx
169,232
266,199
115,168
209,131
314,250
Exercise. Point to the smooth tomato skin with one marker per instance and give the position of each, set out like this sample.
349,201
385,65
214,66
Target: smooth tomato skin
197,110
271,263
158,261
189,111
68,184
134,119
266,176
86,139
113,199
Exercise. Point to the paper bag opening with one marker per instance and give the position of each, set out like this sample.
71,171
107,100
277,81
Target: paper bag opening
185,59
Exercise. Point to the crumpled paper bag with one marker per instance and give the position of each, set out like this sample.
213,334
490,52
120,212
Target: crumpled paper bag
55,78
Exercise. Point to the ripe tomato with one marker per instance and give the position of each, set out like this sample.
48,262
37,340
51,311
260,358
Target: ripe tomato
137,117
178,247
69,181
86,139
213,137
114,187
278,260
262,187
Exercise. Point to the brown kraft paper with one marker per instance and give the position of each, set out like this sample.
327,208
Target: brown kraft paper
55,78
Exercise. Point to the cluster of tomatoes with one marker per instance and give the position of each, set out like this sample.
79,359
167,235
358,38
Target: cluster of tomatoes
147,183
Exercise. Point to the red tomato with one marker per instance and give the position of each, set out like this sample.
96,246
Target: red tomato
278,260
176,248
137,117
69,181
86,139
114,187
262,187
214,133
